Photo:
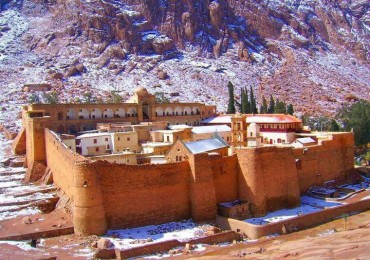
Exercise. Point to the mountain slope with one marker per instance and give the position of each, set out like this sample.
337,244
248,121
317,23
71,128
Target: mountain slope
314,54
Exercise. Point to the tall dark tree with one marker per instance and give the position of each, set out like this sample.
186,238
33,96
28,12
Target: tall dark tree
247,103
264,107
357,117
242,97
244,102
280,107
290,109
231,105
253,103
271,108
334,127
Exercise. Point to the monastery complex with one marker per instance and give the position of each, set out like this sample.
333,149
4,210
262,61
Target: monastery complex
142,162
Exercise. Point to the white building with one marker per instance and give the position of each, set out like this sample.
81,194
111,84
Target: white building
206,132
95,143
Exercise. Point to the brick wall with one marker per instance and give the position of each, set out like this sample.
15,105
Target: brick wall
334,159
268,178
61,161
143,194
225,178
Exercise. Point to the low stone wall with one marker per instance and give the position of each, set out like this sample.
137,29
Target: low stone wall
147,249
293,224
166,246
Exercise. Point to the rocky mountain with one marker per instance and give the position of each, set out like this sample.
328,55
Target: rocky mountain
311,53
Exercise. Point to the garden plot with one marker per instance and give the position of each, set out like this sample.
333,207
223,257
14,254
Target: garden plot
134,237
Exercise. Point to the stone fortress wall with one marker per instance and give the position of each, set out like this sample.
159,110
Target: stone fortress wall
107,195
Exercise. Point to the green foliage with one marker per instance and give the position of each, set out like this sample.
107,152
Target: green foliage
231,105
114,97
357,117
34,99
367,157
160,98
253,103
290,109
264,107
51,98
280,107
334,127
317,123
245,105
271,108
88,98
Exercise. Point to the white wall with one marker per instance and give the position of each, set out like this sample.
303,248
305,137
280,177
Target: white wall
287,137
100,140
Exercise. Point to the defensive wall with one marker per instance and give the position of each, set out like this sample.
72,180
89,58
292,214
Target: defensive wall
108,195
332,159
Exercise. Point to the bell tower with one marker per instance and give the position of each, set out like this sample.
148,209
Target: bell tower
238,130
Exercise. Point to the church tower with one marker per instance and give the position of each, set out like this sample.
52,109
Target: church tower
238,130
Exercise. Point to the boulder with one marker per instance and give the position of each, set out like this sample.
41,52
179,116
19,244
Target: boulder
162,75
27,220
104,243
57,75
162,44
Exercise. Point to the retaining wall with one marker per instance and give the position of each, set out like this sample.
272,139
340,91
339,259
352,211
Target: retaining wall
293,224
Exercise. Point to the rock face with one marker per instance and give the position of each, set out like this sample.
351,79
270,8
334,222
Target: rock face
299,51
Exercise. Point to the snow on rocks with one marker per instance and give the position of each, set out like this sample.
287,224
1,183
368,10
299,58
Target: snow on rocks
309,205
15,197
182,231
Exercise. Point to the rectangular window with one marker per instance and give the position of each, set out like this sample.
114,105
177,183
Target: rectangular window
119,138
106,139
128,139
95,141
60,116
97,149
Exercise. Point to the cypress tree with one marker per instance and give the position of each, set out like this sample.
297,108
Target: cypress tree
264,107
253,104
242,110
280,107
247,103
334,127
231,105
271,108
290,109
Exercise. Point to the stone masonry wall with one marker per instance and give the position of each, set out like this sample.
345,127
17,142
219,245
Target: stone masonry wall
137,195
334,159
225,177
268,178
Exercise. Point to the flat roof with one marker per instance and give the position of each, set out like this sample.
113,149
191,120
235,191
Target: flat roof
206,145
225,119
167,131
93,135
306,140
177,127
210,129
156,144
